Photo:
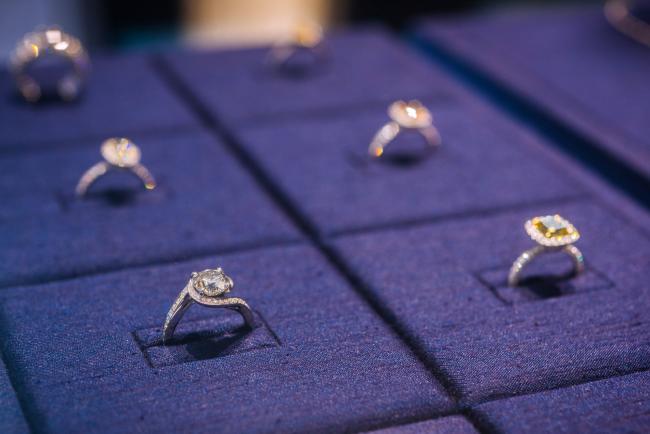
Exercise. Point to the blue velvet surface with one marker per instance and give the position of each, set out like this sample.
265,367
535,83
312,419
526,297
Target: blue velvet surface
571,62
445,425
616,405
123,95
366,66
12,420
429,279
205,202
483,164
338,366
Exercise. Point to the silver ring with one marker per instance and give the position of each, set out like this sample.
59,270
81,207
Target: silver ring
552,234
410,116
307,38
119,154
207,288
50,41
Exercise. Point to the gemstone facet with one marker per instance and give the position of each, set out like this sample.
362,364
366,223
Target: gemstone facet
212,283
552,230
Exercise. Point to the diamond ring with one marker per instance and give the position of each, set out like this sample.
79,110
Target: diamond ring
50,43
118,153
552,234
409,116
207,288
301,50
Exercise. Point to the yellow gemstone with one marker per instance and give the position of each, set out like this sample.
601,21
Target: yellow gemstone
553,226
552,230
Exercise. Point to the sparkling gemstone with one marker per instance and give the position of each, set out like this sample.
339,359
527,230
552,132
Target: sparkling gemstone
410,114
120,152
212,282
552,230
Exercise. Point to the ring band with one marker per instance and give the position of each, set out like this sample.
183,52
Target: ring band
553,234
410,116
118,153
206,288
51,41
307,38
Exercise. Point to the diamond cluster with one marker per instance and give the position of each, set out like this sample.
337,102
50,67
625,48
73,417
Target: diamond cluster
552,230
212,283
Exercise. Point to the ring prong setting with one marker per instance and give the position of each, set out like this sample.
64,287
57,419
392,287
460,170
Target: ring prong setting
212,282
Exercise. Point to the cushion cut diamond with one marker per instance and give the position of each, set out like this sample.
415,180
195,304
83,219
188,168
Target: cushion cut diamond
552,230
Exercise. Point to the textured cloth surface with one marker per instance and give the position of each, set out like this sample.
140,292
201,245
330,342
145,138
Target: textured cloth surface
477,168
365,66
571,62
123,95
429,279
615,405
12,420
445,425
338,366
205,202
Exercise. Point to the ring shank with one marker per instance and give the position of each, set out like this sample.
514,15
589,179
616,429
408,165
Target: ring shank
526,257
188,296
387,133
96,171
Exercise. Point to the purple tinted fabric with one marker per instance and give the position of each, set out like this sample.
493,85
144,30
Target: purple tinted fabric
123,95
12,420
615,405
445,425
205,202
429,278
568,60
365,66
338,366
483,164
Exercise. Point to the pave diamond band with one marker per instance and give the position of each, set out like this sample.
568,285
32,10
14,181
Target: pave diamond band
121,154
552,234
409,116
207,288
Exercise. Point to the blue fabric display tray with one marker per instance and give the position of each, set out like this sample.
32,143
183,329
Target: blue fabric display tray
378,288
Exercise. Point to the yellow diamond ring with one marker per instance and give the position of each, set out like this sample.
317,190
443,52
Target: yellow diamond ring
552,233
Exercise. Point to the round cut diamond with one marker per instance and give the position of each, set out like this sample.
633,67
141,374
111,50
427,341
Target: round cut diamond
120,152
212,282
410,114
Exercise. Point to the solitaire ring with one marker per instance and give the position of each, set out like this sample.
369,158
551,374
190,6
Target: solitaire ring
552,234
409,116
51,42
207,288
119,154
306,41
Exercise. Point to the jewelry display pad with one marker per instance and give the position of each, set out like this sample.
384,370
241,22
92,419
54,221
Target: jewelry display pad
618,404
445,425
479,168
338,367
204,203
364,67
431,287
377,286
570,62
123,95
